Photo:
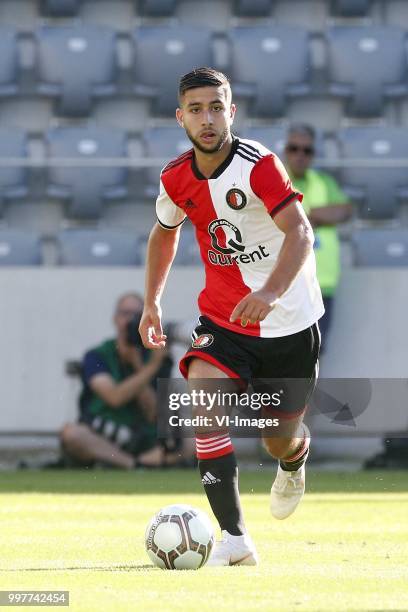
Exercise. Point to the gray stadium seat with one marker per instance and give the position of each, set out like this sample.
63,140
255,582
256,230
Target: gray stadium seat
188,252
252,8
83,247
19,248
350,8
9,65
13,180
268,64
87,186
60,8
164,143
380,247
157,8
379,188
75,64
367,66
162,55
274,138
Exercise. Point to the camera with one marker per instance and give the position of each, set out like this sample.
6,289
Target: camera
173,332
132,331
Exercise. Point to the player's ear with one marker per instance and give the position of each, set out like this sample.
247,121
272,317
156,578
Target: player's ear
233,109
179,117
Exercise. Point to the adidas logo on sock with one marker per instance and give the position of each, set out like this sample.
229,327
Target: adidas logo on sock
209,479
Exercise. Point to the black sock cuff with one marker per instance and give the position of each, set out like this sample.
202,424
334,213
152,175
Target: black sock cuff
224,464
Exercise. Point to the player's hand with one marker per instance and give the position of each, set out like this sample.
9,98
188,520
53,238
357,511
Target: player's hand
150,328
254,307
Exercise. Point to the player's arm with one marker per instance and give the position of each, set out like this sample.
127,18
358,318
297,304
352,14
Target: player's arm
117,394
161,250
270,182
297,244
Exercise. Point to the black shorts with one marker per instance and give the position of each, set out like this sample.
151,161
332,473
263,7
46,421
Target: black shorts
288,362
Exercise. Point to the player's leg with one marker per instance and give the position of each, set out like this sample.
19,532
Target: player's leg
297,369
84,444
219,472
291,446
292,452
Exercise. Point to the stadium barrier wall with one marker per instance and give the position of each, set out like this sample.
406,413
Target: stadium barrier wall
51,315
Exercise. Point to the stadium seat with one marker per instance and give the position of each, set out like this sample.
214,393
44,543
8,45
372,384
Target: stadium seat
85,183
252,8
163,143
380,247
75,64
268,64
83,247
367,66
157,8
162,54
188,252
60,8
274,138
350,8
13,180
377,188
9,64
19,248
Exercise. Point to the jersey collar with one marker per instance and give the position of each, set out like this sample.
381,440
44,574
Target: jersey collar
220,169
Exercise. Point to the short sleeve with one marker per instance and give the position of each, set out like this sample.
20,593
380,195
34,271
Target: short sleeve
271,183
169,215
93,364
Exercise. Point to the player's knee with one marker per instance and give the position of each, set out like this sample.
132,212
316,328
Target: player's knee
277,447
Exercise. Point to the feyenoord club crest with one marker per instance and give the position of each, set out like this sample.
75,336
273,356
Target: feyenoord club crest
236,199
203,341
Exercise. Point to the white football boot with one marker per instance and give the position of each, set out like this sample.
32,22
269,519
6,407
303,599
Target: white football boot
286,492
233,550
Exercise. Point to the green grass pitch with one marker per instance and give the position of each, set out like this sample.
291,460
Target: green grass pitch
345,548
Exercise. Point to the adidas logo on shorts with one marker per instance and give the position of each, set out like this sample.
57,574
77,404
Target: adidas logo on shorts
209,479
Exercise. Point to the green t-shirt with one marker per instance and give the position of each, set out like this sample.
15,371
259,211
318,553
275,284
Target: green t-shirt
130,413
320,189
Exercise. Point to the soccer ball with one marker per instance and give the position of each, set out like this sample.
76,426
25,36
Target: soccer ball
179,537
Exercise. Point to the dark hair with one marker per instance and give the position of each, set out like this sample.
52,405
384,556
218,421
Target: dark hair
202,77
302,128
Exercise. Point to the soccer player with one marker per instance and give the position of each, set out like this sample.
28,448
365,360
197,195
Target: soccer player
261,301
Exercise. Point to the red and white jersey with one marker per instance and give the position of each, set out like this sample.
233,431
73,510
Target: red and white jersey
233,214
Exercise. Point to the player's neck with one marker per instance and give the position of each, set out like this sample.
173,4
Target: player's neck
207,163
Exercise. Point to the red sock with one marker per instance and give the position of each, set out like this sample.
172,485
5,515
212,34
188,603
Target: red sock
213,445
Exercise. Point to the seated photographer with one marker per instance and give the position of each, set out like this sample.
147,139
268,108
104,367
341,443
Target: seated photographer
118,400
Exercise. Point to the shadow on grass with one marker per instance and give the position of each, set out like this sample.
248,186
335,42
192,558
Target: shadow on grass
163,482
91,568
